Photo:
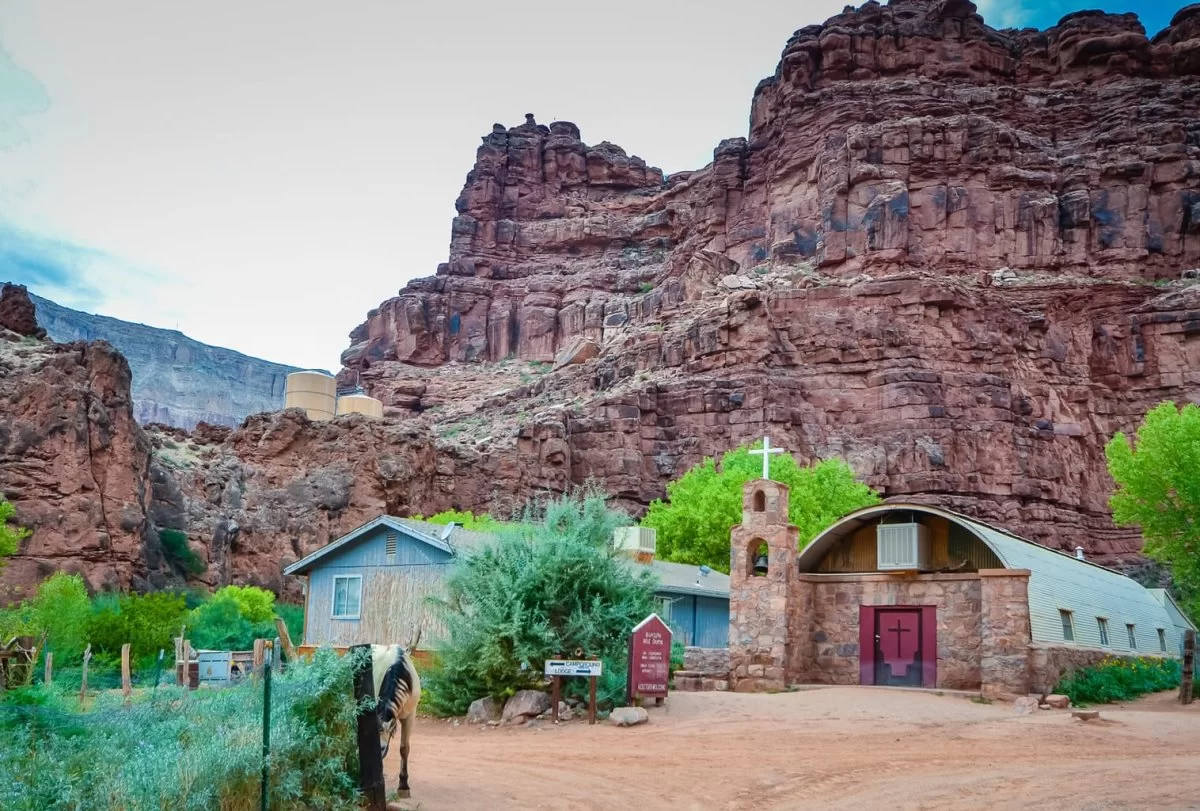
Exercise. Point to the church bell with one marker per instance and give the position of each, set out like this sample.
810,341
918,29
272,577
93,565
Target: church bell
760,565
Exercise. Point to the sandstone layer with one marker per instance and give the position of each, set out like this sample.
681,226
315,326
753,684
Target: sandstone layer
957,257
176,380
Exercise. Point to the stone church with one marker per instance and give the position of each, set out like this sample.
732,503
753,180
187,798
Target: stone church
906,594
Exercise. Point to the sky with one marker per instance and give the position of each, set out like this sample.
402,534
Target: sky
261,174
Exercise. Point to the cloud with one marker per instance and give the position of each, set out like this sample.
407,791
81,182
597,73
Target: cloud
23,96
58,269
1007,13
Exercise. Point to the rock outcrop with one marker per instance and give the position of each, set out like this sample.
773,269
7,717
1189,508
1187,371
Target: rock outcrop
176,380
76,466
956,256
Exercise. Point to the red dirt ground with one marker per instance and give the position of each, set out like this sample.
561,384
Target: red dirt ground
839,747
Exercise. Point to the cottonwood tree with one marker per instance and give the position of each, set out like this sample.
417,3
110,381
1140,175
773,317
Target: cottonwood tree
703,505
1158,489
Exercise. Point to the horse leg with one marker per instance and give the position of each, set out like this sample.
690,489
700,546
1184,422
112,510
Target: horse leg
405,731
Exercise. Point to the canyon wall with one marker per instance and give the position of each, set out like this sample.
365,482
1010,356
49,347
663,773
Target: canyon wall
958,257
177,381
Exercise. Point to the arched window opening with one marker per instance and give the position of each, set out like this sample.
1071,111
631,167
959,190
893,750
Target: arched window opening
760,501
759,558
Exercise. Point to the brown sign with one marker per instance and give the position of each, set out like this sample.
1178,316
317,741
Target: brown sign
649,659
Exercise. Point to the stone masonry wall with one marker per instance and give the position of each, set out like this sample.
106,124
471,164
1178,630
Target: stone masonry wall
706,660
833,638
1004,619
1049,663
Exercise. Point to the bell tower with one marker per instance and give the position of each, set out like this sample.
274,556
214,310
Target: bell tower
762,570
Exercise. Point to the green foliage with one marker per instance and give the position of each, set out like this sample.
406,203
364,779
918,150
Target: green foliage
704,504
175,547
468,520
546,586
645,287
293,618
184,751
255,604
1158,489
10,537
1119,679
62,610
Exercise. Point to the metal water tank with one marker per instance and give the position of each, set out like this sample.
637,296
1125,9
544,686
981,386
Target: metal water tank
315,392
359,404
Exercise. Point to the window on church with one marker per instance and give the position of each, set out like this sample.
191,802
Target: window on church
1131,629
1102,624
760,501
1068,625
1162,640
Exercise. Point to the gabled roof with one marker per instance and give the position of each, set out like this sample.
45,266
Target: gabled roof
1168,602
305,564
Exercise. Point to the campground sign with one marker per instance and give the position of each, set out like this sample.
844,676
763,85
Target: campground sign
649,659
573,667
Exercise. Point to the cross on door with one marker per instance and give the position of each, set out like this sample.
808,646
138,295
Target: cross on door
897,631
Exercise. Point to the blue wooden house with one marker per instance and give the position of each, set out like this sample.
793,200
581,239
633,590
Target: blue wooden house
370,586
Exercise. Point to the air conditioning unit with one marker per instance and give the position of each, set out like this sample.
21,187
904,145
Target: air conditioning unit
902,547
635,540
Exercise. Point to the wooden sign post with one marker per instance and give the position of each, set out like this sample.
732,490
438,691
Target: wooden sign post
591,668
649,660
126,680
1189,667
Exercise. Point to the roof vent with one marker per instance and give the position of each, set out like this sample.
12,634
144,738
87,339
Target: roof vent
902,547
453,525
1079,553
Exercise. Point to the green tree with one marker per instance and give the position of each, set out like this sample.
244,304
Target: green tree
704,504
10,537
468,520
1158,489
62,610
546,586
255,604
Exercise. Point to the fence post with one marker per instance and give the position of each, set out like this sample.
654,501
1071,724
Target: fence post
87,657
49,668
1189,667
126,680
276,656
158,671
370,759
266,746
289,650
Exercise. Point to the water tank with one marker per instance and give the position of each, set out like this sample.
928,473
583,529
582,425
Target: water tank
359,404
315,392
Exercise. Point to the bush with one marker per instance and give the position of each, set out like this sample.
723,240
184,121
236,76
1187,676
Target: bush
175,547
255,604
10,537
545,587
468,520
62,610
181,750
1119,680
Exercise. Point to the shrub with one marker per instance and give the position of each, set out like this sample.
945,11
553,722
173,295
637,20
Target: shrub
293,618
61,610
1117,679
180,750
256,605
543,588
468,520
10,537
175,547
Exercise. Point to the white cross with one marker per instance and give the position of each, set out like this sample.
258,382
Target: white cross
765,452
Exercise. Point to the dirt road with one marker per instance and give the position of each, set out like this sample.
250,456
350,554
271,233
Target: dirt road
842,747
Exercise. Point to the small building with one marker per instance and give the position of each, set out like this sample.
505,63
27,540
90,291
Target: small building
907,594
371,585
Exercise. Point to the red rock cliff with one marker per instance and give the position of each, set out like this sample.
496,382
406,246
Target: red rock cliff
937,254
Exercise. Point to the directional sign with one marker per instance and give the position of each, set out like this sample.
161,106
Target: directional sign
573,667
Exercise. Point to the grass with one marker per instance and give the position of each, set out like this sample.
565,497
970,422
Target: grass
981,699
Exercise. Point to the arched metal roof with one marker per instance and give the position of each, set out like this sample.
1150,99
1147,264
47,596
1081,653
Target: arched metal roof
1057,581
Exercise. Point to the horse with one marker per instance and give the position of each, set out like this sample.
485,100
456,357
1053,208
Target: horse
397,693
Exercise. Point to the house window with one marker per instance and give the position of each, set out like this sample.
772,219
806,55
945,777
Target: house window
390,545
347,596
1162,640
1129,627
1068,625
1102,624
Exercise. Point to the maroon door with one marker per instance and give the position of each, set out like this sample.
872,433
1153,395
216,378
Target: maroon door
898,646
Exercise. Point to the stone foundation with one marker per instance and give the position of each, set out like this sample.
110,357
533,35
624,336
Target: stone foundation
693,681
706,660
1005,632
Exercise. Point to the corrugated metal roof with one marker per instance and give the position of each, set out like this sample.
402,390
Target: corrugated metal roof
683,578
1057,581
